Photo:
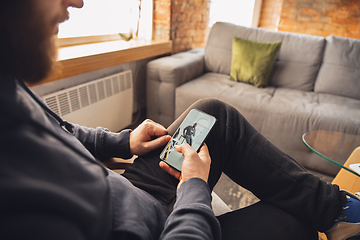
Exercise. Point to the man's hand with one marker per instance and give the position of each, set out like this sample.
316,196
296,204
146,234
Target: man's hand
194,165
147,137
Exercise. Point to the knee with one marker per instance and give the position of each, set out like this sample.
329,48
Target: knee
208,104
222,111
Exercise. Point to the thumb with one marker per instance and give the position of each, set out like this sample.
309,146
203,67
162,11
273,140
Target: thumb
185,149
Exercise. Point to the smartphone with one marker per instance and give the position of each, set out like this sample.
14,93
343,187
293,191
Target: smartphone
193,130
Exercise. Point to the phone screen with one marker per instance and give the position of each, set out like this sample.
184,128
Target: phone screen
193,130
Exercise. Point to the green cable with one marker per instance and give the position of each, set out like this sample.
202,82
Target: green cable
330,160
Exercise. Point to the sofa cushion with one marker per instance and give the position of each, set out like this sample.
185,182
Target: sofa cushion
297,63
252,101
252,61
340,71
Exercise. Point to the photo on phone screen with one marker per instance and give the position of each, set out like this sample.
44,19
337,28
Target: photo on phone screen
193,130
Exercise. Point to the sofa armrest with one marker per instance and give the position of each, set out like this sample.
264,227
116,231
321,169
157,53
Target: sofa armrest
164,75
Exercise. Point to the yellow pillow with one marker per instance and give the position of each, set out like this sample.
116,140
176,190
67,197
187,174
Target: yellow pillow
252,61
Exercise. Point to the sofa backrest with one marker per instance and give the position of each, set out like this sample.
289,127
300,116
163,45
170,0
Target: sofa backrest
340,72
297,63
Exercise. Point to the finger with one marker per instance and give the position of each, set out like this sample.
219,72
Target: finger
157,142
185,149
188,151
204,151
169,170
204,154
158,132
155,129
154,123
158,124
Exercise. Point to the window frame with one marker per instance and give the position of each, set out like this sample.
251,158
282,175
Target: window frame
66,42
72,41
257,13
118,52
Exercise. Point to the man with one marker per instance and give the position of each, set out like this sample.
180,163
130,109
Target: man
53,186
189,132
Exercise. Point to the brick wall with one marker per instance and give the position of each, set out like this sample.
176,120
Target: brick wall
185,22
316,17
270,14
189,23
161,21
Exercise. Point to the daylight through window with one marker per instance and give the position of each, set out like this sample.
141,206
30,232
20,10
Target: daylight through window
239,12
109,17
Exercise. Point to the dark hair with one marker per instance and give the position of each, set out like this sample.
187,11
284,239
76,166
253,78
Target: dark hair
26,47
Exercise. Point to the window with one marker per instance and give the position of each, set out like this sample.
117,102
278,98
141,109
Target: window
109,17
240,12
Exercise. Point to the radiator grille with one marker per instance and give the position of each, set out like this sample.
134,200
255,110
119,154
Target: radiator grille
53,104
73,99
97,92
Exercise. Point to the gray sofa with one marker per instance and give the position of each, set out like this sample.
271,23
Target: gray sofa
314,85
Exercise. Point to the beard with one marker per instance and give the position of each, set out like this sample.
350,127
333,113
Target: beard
27,50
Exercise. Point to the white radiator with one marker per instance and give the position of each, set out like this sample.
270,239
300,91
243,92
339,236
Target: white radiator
106,102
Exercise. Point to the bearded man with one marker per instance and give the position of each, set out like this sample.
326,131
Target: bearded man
53,185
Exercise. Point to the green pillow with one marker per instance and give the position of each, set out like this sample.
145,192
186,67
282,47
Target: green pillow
252,61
